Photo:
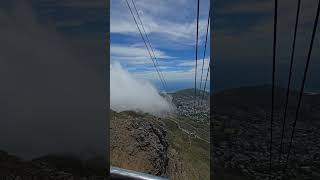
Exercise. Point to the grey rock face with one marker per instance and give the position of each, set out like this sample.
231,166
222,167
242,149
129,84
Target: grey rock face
241,136
139,142
12,167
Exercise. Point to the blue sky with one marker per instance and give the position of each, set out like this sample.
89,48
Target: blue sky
171,28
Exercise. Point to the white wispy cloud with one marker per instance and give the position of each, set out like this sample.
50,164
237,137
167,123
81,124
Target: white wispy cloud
133,54
130,93
192,62
160,21
170,25
186,74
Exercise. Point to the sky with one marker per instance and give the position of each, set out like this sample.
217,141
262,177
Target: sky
242,41
171,28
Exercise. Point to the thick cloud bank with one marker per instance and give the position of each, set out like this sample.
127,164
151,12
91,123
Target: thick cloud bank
129,93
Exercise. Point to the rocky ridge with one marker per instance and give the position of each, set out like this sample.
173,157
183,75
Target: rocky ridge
241,136
138,142
50,168
145,143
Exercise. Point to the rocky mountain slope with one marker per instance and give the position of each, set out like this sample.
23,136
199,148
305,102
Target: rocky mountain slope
173,146
241,135
51,167
143,143
138,142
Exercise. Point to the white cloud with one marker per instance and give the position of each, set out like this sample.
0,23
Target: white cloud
131,54
172,31
192,62
173,75
172,25
118,49
160,21
138,56
129,93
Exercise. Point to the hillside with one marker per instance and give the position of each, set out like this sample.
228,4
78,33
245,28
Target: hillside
174,146
138,142
259,97
241,134
184,101
52,167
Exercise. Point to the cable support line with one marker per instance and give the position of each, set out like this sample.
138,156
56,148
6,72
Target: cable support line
195,71
273,82
204,55
303,84
289,79
149,42
205,84
145,44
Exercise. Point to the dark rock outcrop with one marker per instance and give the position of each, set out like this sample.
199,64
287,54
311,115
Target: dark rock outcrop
241,135
138,142
51,167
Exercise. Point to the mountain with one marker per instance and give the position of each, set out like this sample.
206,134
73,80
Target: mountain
138,142
258,98
55,167
241,134
174,146
188,106
189,93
